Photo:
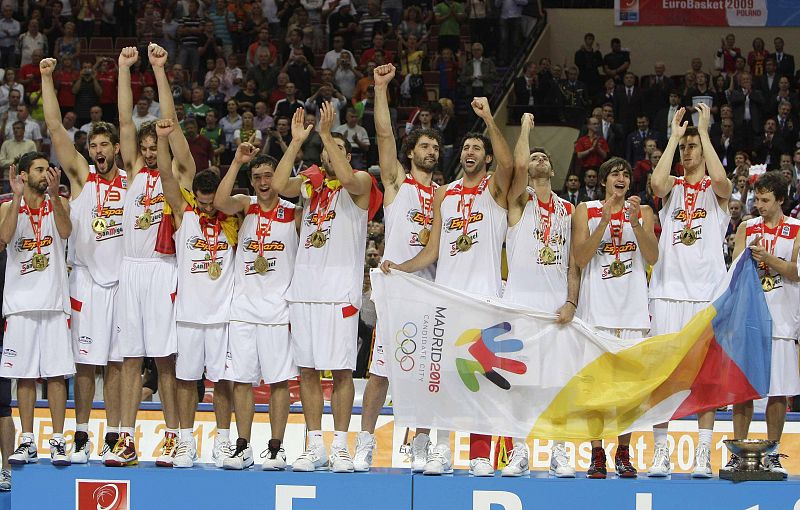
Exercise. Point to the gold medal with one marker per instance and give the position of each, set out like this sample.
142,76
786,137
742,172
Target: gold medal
617,268
424,236
145,220
767,282
39,261
688,236
464,242
214,270
260,265
318,239
547,255
99,225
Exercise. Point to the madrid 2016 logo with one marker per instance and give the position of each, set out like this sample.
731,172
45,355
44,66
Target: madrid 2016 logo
485,349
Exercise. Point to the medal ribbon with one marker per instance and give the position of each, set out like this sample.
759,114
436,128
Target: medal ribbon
327,195
546,218
148,190
263,233
465,207
690,200
427,212
211,240
101,205
616,230
36,226
770,245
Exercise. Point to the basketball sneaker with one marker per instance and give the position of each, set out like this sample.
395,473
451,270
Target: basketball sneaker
365,445
108,445
733,463
123,453
222,450
58,452
622,463
559,462
340,461
661,465
241,457
276,456
168,450
419,452
25,453
440,461
517,462
81,448
598,467
773,463
702,462
185,454
315,458
5,480
481,466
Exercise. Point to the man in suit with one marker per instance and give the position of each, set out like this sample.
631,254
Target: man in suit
663,119
634,143
748,107
727,144
590,190
784,61
656,88
770,146
536,87
479,75
628,102
572,190
787,127
612,131
768,82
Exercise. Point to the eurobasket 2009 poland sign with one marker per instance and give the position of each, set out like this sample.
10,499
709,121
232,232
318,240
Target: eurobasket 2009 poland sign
721,13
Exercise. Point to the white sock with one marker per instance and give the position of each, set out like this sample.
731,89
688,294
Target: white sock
315,438
339,439
443,437
112,430
705,437
186,434
126,430
660,436
27,437
82,427
519,442
174,432
224,434
58,436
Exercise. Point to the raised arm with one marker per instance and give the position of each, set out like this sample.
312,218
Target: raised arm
60,204
172,189
504,162
430,252
522,156
392,172
662,181
356,183
223,201
282,181
10,210
720,183
183,162
128,146
72,162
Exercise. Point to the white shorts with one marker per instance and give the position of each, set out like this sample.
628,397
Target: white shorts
94,333
377,365
670,315
624,334
259,352
201,346
37,344
146,308
784,377
324,335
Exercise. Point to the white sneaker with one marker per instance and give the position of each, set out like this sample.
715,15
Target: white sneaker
772,462
185,454
275,461
440,461
241,458
419,452
481,467
81,448
222,450
24,454
340,461
559,462
313,459
702,462
58,453
365,445
5,480
660,466
517,462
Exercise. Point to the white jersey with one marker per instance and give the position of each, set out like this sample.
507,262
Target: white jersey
405,219
534,282
200,299
334,272
29,290
690,273
139,243
261,298
100,253
476,270
614,302
783,296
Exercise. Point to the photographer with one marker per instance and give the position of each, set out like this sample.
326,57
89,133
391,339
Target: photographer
345,75
87,92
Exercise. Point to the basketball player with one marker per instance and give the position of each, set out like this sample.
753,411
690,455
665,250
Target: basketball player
204,249
774,242
148,277
407,203
259,337
469,226
35,225
541,272
325,293
694,220
613,244
96,252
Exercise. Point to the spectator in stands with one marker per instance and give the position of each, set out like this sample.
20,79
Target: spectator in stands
69,126
655,90
87,92
478,76
31,40
342,23
588,59
142,113
791,183
511,35
95,115
223,75
248,96
647,196
744,194
591,149
643,166
607,94
231,122
635,142
448,67
10,83
30,77
629,102
265,74
169,29
725,59
190,31
786,125
413,24
69,43
215,98
590,190
200,146
214,133
32,130
768,81
617,62
106,74
574,91
374,22
378,42
526,88
209,47
278,138
727,144
326,93
9,32
148,26
345,75
288,105
197,108
700,92
357,136
81,144
15,146
663,119
302,22
572,186
612,132
739,67
784,61
748,107
449,15
757,57
295,42
785,93
770,146
300,72
262,120
286,10
312,147
331,59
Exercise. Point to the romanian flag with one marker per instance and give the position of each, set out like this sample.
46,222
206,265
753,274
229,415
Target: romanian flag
459,362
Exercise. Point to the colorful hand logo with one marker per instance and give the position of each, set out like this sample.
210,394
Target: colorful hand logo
484,349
